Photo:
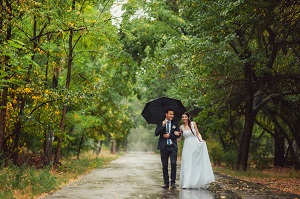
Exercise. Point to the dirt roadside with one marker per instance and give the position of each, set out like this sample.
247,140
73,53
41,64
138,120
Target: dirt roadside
138,175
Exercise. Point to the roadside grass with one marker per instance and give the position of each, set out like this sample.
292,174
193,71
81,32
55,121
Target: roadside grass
284,179
27,182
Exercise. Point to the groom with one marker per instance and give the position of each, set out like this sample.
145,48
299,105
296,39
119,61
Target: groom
168,132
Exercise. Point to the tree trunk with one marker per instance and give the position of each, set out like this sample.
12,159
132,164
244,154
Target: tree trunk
243,152
17,132
113,147
245,55
48,145
3,110
295,129
59,139
80,146
48,150
242,160
289,141
68,80
99,145
4,62
19,122
279,149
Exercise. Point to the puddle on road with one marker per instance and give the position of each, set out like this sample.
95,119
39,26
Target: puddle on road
195,193
177,194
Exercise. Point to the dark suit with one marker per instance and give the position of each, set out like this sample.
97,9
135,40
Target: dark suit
168,151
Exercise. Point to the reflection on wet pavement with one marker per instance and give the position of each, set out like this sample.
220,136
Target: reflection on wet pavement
183,194
195,193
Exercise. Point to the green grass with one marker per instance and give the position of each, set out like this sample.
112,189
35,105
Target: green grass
27,182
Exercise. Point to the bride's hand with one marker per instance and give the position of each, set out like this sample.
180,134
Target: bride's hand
177,133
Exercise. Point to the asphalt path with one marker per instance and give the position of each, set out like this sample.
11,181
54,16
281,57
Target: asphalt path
139,175
133,175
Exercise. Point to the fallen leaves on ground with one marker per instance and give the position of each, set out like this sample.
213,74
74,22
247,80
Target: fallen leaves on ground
270,181
281,179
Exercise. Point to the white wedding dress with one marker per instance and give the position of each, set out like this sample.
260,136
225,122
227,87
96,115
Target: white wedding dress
196,171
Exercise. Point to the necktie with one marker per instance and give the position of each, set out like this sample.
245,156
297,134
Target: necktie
168,130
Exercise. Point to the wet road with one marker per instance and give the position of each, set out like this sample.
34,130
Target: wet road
134,175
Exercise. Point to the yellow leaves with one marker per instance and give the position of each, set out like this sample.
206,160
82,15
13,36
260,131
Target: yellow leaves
26,90
47,91
40,51
36,97
58,112
71,25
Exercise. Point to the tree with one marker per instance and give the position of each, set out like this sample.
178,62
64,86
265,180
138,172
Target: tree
229,55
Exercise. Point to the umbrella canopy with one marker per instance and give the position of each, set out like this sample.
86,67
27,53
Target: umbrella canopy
154,111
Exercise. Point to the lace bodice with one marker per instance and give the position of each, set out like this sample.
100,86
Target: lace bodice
187,132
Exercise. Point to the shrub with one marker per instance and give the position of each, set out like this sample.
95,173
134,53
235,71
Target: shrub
216,152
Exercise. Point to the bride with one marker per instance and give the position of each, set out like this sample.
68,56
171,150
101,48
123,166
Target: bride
196,170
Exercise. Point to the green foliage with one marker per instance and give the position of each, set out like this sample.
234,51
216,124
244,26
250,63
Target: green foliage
34,59
262,149
141,136
216,152
200,54
195,51
230,157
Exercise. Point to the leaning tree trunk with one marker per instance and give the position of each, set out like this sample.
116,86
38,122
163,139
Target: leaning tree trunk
245,55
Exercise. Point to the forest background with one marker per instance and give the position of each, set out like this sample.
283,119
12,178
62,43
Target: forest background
75,76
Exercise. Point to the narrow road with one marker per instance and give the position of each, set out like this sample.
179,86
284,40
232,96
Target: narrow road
139,175
134,175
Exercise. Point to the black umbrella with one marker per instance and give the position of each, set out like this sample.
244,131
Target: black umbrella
154,111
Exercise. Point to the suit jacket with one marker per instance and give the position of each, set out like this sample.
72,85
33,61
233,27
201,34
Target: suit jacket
161,130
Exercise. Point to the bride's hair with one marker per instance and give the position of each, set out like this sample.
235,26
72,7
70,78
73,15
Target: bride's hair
189,121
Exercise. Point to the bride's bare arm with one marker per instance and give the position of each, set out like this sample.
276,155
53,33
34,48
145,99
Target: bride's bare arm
180,133
197,132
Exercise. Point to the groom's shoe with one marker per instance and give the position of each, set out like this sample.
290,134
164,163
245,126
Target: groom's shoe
166,186
173,185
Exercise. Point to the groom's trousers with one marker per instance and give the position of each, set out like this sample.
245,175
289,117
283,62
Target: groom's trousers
169,152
